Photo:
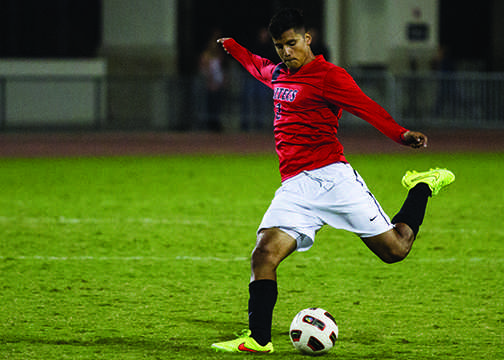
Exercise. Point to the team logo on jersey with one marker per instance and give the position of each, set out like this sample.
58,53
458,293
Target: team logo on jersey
285,94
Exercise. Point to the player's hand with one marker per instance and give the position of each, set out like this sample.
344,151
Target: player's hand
415,139
221,41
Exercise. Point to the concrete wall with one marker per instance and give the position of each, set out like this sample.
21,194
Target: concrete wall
140,37
52,92
374,32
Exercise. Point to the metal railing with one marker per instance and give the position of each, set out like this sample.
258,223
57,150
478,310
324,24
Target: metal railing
465,100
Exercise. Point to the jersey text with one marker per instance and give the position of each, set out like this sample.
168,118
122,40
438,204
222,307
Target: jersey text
285,94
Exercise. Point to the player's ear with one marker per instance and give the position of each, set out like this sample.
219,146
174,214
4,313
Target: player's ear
308,38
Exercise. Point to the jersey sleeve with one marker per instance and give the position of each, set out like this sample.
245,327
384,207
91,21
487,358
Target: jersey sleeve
341,90
260,68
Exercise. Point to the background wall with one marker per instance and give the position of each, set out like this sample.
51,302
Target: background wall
171,32
140,36
150,49
374,33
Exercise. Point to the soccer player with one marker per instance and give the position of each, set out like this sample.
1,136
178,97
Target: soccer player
318,184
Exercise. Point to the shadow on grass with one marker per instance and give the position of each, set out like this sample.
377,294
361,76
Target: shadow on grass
136,342
169,342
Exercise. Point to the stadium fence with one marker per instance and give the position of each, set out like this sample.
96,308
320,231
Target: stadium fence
182,103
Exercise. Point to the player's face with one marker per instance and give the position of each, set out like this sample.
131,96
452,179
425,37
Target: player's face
294,49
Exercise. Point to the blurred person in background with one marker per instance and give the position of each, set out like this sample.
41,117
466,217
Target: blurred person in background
211,67
256,104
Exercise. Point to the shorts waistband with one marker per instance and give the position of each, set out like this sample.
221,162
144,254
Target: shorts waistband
314,171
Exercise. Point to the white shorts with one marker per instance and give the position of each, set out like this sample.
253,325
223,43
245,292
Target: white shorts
334,195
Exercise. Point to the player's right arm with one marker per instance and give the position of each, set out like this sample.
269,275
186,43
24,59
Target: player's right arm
341,90
261,68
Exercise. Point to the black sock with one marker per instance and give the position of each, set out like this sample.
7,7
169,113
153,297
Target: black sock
413,210
262,300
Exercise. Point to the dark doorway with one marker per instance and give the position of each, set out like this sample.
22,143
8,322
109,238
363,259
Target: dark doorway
465,28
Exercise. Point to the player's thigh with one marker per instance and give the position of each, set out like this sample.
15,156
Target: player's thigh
349,205
291,211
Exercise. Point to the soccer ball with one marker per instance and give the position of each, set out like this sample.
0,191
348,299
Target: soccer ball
313,331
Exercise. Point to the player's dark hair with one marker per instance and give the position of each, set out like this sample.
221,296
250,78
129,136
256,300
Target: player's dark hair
284,20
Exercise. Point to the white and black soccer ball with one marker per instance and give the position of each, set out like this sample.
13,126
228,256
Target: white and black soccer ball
313,331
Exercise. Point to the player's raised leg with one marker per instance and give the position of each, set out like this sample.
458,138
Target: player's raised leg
395,244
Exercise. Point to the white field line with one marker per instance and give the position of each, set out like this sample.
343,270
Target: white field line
124,258
192,222
237,259
171,221
144,221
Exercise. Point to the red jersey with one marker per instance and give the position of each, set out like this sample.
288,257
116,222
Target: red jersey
308,104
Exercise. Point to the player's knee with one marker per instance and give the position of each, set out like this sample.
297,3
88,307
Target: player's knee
390,247
396,245
262,255
394,255
268,250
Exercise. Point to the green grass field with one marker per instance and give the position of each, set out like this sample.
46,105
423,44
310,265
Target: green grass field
147,258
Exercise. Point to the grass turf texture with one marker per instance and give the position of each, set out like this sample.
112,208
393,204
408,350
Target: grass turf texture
147,257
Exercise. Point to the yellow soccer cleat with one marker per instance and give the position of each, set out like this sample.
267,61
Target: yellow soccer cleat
243,344
435,178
